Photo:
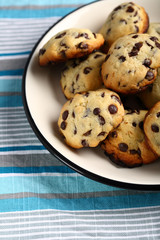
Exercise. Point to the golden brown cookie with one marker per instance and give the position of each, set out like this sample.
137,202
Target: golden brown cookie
70,43
131,63
125,19
87,118
126,145
80,75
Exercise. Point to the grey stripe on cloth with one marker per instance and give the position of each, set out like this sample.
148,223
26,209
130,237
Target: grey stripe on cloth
10,93
31,160
109,213
7,64
69,195
138,223
41,7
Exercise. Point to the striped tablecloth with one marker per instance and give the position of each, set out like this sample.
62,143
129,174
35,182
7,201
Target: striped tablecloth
40,198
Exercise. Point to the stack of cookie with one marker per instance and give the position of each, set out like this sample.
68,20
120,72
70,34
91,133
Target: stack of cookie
101,70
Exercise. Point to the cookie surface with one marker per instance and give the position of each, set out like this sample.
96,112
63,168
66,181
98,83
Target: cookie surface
82,75
152,128
131,63
87,118
154,30
126,145
152,94
70,43
125,19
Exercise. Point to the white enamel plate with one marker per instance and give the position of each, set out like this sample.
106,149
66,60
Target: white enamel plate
43,99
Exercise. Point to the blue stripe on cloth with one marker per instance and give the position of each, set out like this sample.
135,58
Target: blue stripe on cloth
14,54
21,148
42,2
12,72
51,169
98,203
59,184
28,13
10,85
11,101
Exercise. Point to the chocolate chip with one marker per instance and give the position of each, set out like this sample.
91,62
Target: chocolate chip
106,76
137,28
86,94
133,151
62,44
103,94
42,51
75,130
63,125
150,75
123,147
101,134
135,21
147,62
96,111
117,47
149,45
114,134
130,9
63,53
82,45
87,70
157,44
154,39
106,58
117,8
65,115
101,120
73,114
97,56
139,152
134,124
122,58
135,36
77,77
158,114
85,35
60,35
112,109
155,128
135,49
94,35
141,125
87,133
84,143
135,14
116,98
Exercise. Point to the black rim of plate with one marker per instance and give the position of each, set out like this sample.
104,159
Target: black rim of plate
58,155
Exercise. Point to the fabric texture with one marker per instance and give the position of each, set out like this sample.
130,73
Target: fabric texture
40,197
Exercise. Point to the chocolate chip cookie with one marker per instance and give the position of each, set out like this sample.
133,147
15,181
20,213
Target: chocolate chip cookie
81,75
131,63
87,118
152,128
125,19
70,43
126,145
